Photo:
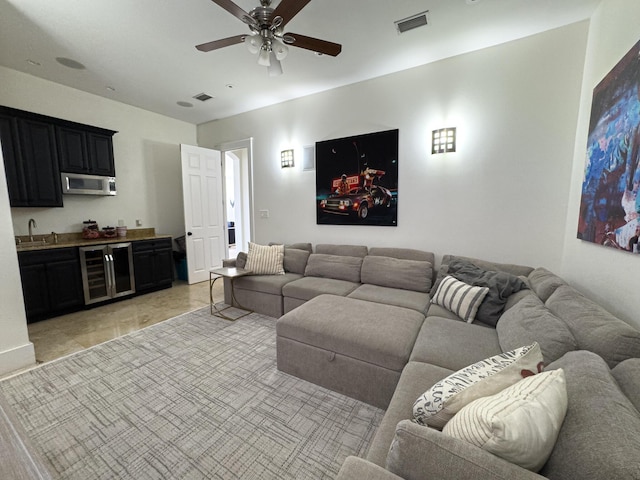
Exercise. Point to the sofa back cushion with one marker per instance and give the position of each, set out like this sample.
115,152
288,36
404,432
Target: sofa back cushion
530,321
298,246
627,374
340,267
544,282
593,327
600,436
348,250
397,273
295,260
241,259
403,253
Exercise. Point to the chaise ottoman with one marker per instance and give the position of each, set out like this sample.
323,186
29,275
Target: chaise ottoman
350,346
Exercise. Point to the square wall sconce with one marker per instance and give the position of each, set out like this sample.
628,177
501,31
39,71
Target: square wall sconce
443,140
286,158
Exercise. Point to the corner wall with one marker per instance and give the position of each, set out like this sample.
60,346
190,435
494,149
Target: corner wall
502,196
610,277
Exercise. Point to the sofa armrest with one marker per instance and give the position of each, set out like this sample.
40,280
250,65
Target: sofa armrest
421,453
229,262
355,468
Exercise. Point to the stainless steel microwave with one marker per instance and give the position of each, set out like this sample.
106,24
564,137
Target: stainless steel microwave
81,184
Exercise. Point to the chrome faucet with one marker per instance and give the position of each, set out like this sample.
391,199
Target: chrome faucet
32,224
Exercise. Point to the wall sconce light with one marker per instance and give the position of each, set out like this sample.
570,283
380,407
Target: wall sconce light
286,158
443,140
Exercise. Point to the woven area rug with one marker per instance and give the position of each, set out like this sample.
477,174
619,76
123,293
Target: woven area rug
192,397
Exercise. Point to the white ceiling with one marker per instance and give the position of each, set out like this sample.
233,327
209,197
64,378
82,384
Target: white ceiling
145,49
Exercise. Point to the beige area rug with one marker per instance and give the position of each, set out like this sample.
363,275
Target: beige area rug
190,398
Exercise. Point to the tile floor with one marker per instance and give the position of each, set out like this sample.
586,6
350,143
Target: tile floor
60,336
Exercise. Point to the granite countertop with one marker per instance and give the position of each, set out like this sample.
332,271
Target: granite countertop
75,240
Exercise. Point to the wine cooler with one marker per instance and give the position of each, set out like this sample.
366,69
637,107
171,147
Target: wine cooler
107,272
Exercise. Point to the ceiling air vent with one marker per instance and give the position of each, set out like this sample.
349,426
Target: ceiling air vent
203,97
415,21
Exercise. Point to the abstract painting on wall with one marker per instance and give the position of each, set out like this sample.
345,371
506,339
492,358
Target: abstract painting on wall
610,204
357,180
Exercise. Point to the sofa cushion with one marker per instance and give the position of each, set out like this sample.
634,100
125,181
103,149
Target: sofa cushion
530,321
501,286
397,273
392,296
307,247
627,374
241,260
265,259
593,327
339,267
306,288
544,282
415,379
600,435
264,283
347,250
454,344
459,298
295,260
420,453
442,401
438,311
520,423
403,253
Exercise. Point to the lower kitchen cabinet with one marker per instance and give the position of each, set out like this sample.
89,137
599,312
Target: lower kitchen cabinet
153,264
51,282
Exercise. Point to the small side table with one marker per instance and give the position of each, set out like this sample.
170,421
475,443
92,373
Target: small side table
231,273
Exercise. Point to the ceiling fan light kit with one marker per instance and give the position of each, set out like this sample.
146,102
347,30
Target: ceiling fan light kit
267,38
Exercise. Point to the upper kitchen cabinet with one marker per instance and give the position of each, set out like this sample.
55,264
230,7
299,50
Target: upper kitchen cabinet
36,148
85,150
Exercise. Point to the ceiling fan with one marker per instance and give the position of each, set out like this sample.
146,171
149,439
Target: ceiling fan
267,36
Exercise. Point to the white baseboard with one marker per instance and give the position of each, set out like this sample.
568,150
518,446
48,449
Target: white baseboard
17,358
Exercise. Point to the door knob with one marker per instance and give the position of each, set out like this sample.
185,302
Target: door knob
189,233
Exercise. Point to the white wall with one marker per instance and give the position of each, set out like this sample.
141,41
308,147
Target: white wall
16,351
502,196
610,277
146,150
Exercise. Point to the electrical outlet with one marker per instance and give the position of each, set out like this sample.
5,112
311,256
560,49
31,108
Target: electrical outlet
138,223
264,213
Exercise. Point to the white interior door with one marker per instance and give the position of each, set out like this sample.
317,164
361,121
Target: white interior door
203,210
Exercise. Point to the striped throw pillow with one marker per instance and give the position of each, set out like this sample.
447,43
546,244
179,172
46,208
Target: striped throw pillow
459,298
265,259
442,401
520,424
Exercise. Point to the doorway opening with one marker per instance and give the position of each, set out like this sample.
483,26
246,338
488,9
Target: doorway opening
238,197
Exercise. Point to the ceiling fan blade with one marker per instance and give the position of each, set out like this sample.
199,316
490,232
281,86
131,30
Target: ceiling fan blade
225,42
313,44
235,10
287,9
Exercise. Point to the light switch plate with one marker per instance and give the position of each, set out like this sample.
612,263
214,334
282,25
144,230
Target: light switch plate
264,213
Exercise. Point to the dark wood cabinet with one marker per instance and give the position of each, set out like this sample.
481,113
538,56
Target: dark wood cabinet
51,282
153,264
36,148
85,151
40,163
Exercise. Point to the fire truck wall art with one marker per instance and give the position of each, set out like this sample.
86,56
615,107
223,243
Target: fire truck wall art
357,180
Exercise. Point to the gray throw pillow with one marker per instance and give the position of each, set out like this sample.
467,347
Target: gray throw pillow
501,286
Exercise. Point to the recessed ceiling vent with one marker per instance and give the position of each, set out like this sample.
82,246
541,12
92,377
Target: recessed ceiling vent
418,20
203,97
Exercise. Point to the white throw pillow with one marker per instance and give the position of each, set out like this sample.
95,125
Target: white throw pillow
520,424
459,298
446,398
265,259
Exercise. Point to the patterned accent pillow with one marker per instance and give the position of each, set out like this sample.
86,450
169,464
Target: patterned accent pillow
520,424
446,398
265,260
459,298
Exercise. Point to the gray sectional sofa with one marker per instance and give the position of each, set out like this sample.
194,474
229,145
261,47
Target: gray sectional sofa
359,320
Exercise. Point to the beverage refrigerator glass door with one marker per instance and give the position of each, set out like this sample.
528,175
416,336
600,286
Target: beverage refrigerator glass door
107,272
